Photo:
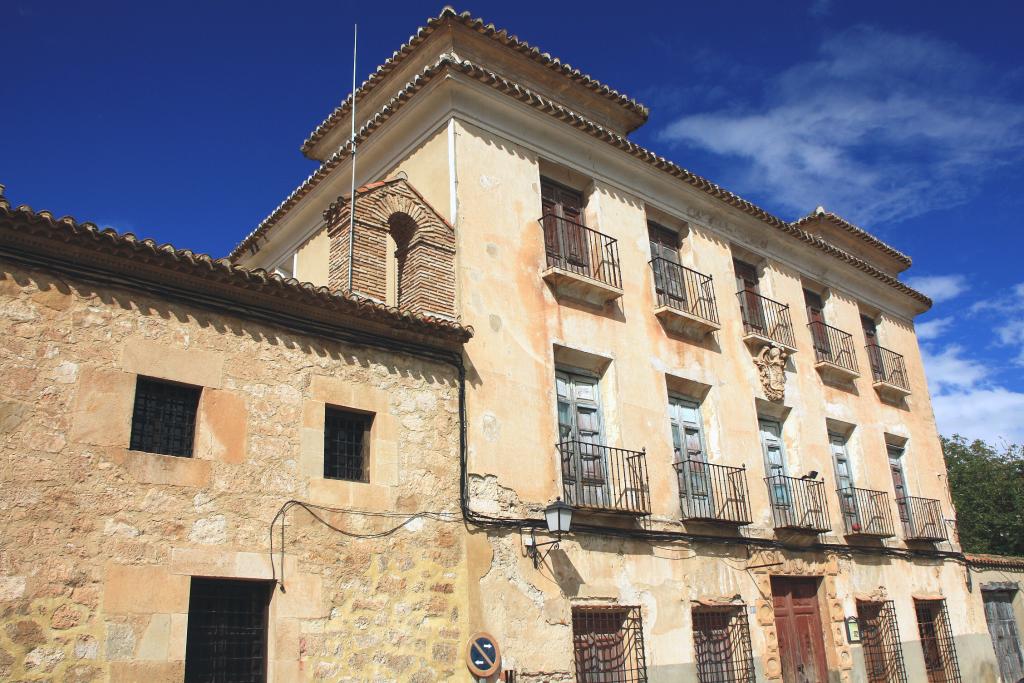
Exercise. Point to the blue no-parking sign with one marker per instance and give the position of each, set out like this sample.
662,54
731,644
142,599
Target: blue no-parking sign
483,656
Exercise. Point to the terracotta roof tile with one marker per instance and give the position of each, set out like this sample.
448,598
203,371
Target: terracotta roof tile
489,30
860,233
23,220
995,561
595,130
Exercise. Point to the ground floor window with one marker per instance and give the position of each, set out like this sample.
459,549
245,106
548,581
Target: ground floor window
937,641
721,641
609,644
880,638
227,631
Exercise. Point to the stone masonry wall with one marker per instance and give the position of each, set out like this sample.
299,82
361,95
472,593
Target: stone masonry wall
99,542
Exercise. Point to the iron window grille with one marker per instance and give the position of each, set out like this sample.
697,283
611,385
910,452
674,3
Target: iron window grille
609,645
346,440
164,417
721,640
226,640
880,638
940,660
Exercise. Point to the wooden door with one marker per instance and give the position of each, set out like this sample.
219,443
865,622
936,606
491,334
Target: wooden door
691,467
899,483
867,323
579,422
668,277
1005,639
816,316
775,463
844,481
565,239
750,300
800,630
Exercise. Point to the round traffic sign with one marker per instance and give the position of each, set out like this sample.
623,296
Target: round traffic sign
483,656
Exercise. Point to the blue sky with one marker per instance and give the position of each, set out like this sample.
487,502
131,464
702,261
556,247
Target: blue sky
182,123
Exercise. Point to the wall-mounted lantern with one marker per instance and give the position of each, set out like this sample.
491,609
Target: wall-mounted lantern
558,517
852,630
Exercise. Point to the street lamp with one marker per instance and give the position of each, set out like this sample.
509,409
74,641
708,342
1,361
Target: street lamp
558,517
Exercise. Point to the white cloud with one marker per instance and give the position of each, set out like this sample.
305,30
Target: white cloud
950,370
933,329
939,287
989,414
878,127
1008,309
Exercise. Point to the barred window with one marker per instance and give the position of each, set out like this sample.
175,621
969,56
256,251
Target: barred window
346,440
940,660
226,639
721,640
164,417
880,638
609,645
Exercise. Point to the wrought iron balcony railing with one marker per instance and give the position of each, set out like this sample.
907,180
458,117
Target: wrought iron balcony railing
866,512
684,290
603,478
888,367
798,504
578,249
833,346
922,519
766,318
713,493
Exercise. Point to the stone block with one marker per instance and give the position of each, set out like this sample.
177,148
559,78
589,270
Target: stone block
301,599
102,411
199,367
144,590
150,672
153,468
221,427
155,640
201,562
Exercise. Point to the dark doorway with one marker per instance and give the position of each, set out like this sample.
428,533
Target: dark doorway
799,627
227,631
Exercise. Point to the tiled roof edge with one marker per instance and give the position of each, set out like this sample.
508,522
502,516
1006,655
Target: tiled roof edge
205,267
987,560
593,129
856,231
489,30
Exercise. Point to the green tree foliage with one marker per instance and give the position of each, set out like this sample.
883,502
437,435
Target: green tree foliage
988,491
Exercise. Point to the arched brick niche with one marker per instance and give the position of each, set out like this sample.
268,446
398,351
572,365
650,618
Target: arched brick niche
404,251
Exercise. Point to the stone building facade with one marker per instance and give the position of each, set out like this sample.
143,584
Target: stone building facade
734,404
531,307
103,543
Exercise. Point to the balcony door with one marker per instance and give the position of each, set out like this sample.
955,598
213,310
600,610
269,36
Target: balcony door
899,483
690,458
565,238
867,324
668,279
816,316
775,462
844,481
580,433
750,299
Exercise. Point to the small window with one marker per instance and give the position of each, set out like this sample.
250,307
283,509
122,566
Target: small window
880,636
721,642
346,440
609,645
226,638
164,417
940,662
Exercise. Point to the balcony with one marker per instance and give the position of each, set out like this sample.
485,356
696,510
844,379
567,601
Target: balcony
889,373
798,504
582,264
765,321
604,479
922,519
866,513
685,299
833,352
713,493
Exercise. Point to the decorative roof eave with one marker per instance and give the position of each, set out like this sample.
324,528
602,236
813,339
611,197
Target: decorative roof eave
595,130
488,30
995,561
26,227
856,231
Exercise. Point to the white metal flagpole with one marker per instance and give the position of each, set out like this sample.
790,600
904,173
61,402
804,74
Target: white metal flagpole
352,145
